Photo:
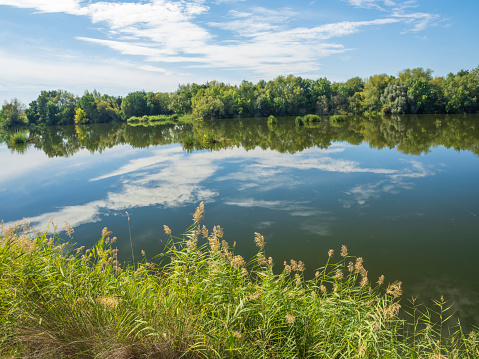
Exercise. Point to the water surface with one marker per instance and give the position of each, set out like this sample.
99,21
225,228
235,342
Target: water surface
401,192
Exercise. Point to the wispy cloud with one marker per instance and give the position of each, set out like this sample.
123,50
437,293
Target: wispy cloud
262,40
400,10
418,21
372,4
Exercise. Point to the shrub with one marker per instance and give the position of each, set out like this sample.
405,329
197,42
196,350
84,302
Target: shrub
18,138
312,118
272,120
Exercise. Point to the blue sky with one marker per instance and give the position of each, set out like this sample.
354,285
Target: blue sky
118,47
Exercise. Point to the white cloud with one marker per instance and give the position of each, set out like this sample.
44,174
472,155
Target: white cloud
25,76
418,21
164,33
66,6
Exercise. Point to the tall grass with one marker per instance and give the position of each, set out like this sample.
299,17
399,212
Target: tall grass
204,301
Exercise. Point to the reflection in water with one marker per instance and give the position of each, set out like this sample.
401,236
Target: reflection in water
307,189
394,183
410,134
172,178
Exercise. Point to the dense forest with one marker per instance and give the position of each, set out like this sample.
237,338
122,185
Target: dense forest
412,91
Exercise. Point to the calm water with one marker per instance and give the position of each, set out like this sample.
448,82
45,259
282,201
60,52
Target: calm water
401,192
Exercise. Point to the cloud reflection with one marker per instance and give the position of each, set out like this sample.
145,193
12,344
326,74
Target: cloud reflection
169,177
392,184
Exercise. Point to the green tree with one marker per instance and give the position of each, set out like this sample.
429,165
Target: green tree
12,114
207,105
373,90
134,104
88,104
53,108
80,117
107,111
461,92
397,100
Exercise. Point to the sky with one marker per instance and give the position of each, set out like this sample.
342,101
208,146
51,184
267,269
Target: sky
118,47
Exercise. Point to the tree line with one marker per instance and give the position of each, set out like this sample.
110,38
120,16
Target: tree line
412,91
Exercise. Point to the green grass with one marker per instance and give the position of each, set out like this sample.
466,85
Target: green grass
189,140
272,120
299,121
18,138
337,120
311,118
204,301
158,120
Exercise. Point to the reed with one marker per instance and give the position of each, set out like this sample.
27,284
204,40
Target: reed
58,301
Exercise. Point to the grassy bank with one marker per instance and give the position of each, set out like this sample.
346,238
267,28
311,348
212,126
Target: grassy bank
159,120
205,301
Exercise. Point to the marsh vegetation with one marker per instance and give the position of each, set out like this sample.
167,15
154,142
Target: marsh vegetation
201,299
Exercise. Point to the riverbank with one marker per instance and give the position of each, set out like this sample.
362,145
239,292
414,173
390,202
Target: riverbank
205,301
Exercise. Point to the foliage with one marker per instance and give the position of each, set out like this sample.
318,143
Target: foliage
396,99
52,108
12,114
18,137
134,104
311,118
410,134
373,90
80,117
413,91
189,140
205,301
272,120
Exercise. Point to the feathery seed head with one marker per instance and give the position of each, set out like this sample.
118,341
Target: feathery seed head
301,266
167,230
290,318
391,311
198,216
69,229
204,231
294,265
339,274
105,232
237,262
359,264
287,268
259,240
394,289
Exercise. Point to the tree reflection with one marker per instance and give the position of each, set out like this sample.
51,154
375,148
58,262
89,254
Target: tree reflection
410,134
